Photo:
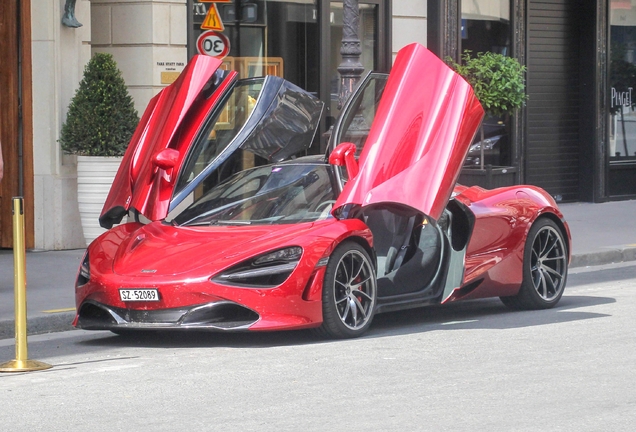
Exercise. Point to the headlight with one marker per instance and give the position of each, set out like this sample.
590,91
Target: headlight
282,255
264,271
84,271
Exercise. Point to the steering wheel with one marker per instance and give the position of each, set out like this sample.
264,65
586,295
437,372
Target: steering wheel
324,208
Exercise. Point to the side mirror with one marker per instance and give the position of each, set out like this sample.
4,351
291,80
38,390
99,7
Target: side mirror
345,155
166,159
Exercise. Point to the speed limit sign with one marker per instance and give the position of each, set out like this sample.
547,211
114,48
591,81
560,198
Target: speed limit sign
214,44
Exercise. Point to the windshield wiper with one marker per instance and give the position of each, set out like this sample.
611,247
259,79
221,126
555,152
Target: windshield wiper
217,222
232,222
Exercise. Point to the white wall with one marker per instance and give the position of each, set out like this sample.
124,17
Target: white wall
145,37
58,59
409,23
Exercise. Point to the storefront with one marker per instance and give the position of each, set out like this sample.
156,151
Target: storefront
576,137
298,40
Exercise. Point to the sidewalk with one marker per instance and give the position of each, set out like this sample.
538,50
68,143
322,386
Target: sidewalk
601,234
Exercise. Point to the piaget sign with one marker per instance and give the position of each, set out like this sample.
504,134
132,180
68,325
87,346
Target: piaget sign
623,98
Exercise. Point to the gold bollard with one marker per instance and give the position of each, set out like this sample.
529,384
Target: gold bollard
21,362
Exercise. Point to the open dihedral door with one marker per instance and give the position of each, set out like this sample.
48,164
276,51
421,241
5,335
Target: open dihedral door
199,122
420,135
193,95
408,167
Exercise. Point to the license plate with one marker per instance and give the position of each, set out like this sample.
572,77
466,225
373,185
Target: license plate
139,294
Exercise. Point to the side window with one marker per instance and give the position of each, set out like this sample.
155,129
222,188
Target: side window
220,132
359,116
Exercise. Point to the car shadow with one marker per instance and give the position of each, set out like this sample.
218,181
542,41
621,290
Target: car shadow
474,314
483,314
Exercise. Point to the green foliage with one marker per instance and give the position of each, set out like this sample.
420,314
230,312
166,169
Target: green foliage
498,81
101,116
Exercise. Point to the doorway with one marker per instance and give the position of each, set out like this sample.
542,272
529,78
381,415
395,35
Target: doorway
16,131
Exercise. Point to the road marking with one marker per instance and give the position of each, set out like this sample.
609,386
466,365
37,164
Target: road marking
59,310
458,322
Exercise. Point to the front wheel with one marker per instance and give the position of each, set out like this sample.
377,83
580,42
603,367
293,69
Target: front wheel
349,292
545,268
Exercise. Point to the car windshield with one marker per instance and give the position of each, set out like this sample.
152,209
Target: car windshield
272,194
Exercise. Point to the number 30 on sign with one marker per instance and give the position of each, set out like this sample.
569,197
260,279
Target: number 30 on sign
214,44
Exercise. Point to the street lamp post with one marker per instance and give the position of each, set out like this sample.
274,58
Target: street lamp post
350,69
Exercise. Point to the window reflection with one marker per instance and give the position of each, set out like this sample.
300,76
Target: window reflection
366,32
622,143
485,27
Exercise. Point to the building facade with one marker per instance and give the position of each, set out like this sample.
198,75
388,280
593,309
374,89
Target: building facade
576,137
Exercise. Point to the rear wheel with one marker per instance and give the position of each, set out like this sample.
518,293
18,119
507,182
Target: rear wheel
349,292
545,268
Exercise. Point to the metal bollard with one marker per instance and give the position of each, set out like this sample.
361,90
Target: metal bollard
21,362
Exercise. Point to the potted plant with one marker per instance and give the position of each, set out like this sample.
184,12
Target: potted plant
100,122
498,82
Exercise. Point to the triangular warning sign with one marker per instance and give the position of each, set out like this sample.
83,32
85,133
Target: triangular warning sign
212,20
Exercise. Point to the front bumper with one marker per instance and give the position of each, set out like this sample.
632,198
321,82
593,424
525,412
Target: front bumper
221,316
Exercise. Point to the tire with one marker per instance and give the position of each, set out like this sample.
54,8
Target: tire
349,293
545,268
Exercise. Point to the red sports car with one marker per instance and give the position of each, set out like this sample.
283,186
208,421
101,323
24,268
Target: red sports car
228,230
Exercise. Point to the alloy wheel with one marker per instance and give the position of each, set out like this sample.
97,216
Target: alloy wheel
354,290
548,263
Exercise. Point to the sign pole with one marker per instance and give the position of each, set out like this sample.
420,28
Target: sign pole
21,362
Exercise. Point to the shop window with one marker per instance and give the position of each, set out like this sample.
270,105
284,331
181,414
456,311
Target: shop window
283,38
485,27
265,38
621,147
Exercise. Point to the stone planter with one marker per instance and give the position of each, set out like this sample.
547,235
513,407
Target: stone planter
95,176
490,177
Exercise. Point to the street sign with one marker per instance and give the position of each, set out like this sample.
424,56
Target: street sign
214,44
215,1
212,20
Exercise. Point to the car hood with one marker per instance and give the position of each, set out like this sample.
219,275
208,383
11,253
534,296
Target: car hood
157,249
282,122
424,124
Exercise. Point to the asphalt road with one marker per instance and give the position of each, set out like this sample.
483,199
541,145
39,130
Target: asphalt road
466,367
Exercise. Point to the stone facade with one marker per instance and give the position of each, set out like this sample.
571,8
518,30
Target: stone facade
409,23
59,55
146,38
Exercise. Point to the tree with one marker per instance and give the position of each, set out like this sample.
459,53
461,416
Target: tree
101,116
498,82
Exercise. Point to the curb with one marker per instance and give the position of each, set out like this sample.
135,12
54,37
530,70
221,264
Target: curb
39,325
604,257
62,321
